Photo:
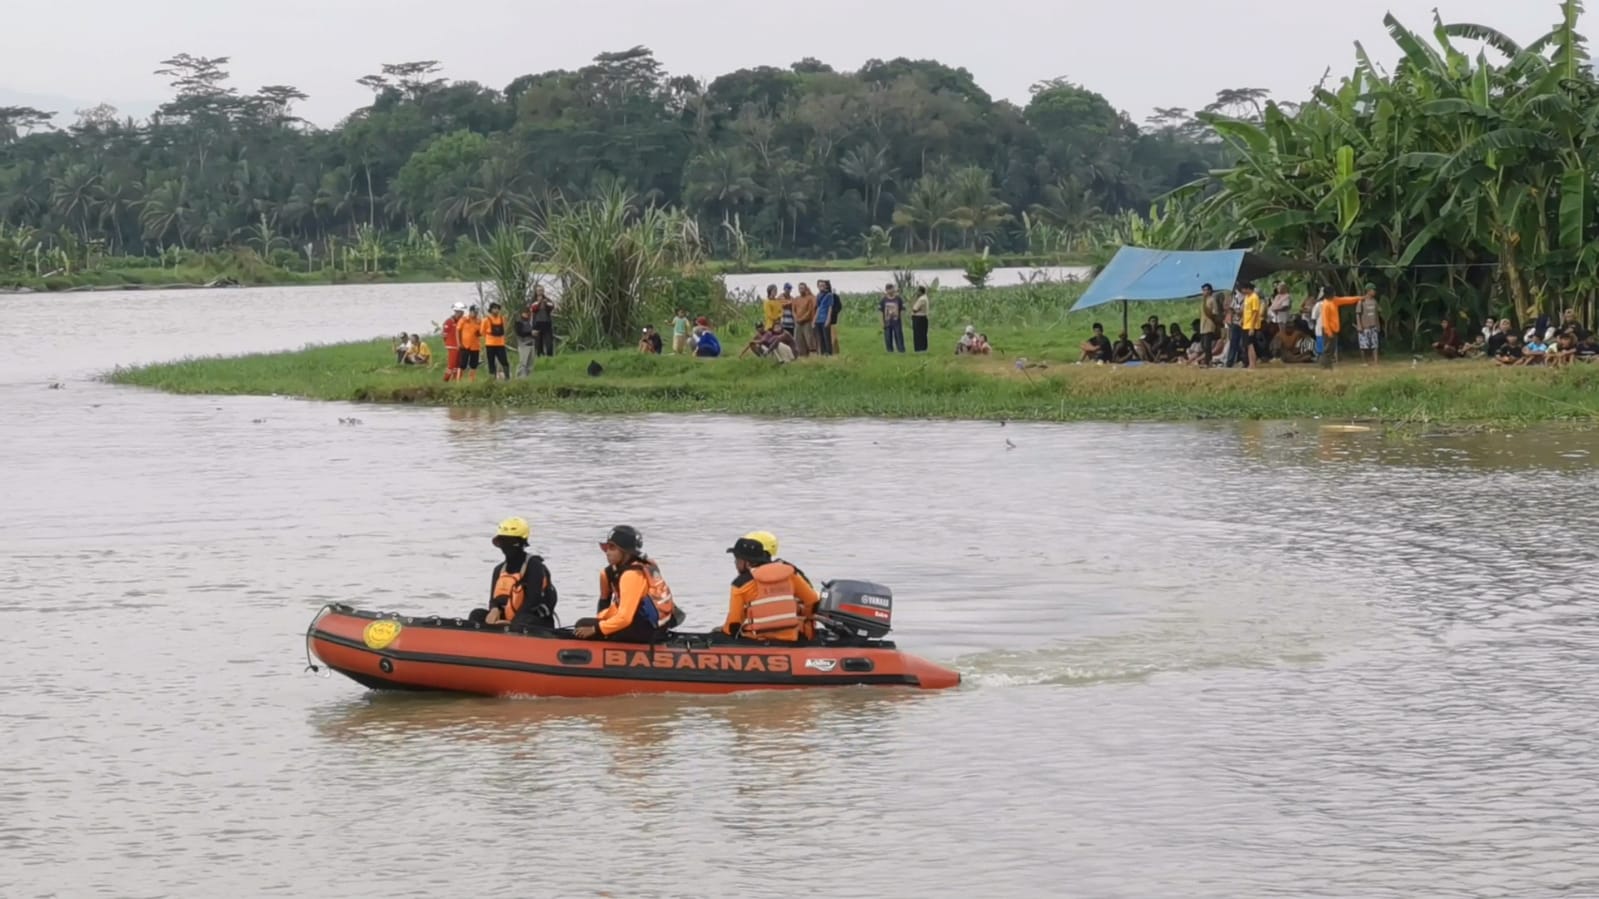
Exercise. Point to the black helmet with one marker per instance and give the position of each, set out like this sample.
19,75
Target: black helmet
749,550
624,537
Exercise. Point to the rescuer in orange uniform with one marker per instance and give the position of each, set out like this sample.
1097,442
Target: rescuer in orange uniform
640,607
469,331
771,599
520,591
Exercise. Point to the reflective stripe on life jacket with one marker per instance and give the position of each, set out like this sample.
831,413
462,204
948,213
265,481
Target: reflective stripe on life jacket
775,611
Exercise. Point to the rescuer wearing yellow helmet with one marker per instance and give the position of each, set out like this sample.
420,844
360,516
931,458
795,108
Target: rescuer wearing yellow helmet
520,591
771,599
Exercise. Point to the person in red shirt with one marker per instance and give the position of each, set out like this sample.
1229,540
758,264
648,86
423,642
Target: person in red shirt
452,343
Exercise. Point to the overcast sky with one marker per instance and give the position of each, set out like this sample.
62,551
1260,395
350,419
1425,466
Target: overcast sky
1139,53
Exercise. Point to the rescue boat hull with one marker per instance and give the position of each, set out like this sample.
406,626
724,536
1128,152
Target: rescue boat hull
390,652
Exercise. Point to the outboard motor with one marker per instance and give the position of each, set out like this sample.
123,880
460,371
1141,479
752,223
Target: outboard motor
859,609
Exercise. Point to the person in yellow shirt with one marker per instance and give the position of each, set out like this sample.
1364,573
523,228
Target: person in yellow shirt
771,308
1254,321
421,353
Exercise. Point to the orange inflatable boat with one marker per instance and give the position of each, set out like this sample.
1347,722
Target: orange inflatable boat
393,652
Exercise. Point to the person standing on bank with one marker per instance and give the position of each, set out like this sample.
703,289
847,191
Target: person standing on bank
1368,323
892,308
543,322
919,321
1211,319
833,316
525,339
805,321
520,591
494,329
824,317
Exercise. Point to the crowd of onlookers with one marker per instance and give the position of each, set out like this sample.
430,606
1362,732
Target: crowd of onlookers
1243,329
1545,343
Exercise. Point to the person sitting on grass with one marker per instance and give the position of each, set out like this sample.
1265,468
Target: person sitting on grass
1510,352
981,346
1179,342
771,343
1587,348
1563,351
1535,350
1122,350
402,346
1294,345
967,339
1449,344
1097,347
705,343
651,341
421,353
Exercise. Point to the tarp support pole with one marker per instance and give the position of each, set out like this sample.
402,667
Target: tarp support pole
1125,329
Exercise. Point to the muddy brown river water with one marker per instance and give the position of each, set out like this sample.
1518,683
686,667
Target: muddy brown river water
1214,660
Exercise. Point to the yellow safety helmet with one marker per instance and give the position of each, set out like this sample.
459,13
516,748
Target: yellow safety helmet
766,539
513,527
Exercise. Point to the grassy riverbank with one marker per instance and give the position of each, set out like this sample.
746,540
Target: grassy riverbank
866,382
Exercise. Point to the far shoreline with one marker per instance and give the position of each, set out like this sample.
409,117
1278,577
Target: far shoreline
147,279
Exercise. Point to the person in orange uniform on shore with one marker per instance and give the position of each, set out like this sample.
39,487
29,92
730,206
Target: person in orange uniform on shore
470,333
494,344
520,591
641,607
452,342
771,599
1328,326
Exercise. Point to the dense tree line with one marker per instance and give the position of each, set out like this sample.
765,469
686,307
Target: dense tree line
802,161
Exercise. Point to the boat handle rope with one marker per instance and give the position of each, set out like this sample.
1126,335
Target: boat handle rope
311,666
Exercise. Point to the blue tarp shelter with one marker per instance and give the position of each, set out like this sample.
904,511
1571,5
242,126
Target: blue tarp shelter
1142,274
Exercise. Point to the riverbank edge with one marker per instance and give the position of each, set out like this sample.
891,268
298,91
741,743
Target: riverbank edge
1461,393
97,281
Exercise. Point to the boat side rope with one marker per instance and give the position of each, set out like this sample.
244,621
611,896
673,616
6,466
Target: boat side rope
311,666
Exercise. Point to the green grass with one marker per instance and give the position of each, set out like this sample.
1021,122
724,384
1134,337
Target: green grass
867,382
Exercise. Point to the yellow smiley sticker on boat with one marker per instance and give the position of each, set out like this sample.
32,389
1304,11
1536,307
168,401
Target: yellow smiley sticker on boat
381,633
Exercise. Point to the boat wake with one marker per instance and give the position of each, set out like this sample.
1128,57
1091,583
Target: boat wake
1143,654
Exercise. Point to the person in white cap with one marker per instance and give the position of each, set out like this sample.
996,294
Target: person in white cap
452,343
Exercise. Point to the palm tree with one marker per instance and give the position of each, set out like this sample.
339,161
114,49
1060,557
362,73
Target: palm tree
75,195
976,211
720,181
929,208
871,168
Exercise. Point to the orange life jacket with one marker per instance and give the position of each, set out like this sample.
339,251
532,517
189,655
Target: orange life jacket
774,613
658,594
511,588
494,330
467,331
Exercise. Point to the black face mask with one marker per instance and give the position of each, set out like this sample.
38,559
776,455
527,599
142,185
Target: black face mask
514,552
